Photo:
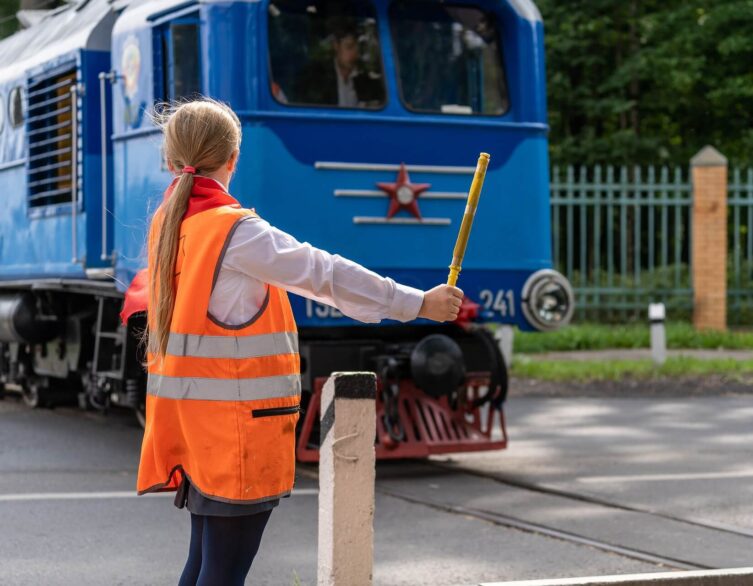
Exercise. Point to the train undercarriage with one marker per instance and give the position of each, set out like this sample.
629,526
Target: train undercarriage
440,388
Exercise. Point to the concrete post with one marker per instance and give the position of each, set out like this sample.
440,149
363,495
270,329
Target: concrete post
656,315
505,338
709,245
346,480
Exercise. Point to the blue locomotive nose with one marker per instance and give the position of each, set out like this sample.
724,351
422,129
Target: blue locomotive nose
362,122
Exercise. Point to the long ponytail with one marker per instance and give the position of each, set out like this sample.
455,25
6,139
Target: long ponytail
204,134
162,277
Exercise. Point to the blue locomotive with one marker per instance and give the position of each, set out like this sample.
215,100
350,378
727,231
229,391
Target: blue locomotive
362,121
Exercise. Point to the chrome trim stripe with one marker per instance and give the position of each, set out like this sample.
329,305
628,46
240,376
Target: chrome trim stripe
377,193
360,193
232,346
13,164
222,389
402,221
446,169
326,115
445,195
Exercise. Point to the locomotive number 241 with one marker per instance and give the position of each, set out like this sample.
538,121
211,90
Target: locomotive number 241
501,301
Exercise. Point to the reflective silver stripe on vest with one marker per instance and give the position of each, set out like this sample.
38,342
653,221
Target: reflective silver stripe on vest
252,346
221,389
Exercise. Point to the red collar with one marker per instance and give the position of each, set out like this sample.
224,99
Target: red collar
205,195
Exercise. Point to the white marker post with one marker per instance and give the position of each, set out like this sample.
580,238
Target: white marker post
656,315
346,480
505,338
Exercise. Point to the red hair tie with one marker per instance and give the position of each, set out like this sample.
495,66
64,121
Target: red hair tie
189,169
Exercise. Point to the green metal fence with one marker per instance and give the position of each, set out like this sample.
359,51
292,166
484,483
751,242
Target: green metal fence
740,260
622,237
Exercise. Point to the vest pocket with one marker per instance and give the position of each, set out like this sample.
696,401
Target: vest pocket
268,451
275,411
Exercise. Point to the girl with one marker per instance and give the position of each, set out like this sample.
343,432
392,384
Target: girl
222,351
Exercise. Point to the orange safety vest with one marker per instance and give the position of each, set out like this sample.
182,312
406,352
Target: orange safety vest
222,406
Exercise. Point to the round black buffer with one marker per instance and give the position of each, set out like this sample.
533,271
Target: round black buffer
437,365
20,320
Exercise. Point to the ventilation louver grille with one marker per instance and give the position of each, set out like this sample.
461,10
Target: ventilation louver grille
49,133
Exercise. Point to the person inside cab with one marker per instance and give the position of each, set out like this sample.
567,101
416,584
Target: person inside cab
340,78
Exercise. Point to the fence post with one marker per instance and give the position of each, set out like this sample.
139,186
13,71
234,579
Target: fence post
346,480
709,245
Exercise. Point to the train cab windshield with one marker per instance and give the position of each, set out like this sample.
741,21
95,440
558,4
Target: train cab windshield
448,58
325,54
328,53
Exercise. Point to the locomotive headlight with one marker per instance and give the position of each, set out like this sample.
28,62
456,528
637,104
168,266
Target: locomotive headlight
548,300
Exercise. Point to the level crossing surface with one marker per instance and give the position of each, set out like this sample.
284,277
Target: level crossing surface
589,486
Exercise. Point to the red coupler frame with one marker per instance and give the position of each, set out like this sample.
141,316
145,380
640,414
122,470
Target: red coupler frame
431,425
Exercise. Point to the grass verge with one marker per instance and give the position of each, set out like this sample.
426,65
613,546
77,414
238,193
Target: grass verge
612,370
591,336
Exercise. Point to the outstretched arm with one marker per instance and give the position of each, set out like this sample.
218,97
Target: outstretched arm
268,254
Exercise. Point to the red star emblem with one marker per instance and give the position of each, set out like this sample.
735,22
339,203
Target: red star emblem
403,194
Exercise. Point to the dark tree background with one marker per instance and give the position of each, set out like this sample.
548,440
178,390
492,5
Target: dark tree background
8,22
652,81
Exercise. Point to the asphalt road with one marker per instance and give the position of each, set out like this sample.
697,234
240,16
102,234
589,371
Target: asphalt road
683,468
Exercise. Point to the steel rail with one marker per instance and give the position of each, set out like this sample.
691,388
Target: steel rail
539,529
595,500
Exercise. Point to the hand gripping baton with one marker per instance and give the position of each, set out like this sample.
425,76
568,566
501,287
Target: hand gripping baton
470,212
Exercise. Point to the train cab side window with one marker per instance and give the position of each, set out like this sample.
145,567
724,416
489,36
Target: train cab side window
178,55
449,58
16,107
325,53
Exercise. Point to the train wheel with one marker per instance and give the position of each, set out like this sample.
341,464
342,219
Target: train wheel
35,395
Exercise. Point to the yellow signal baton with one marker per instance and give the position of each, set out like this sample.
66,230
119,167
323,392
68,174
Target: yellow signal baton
470,213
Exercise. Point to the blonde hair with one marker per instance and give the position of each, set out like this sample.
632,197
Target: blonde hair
202,134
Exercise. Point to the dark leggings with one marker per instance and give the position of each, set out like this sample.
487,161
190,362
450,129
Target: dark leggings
222,549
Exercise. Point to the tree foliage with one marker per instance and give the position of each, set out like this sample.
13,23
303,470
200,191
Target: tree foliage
8,21
650,81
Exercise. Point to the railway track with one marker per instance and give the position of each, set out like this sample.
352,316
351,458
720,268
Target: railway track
698,530
595,500
539,529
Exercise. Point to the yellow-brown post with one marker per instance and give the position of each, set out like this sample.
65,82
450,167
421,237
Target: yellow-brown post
709,244
470,213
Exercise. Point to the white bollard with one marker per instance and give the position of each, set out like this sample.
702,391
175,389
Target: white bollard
656,315
505,337
346,480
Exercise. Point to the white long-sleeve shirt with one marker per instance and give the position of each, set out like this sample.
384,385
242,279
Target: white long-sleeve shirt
259,253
